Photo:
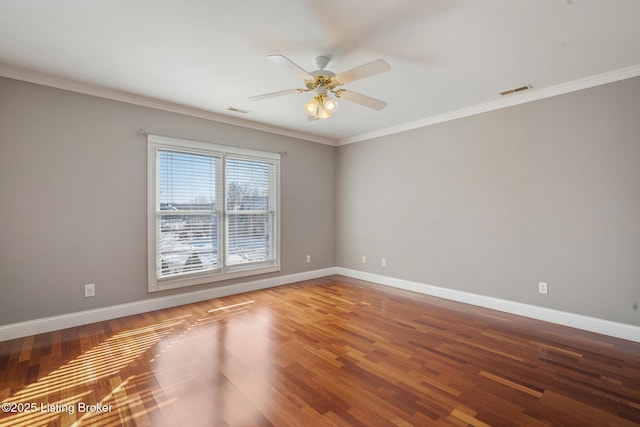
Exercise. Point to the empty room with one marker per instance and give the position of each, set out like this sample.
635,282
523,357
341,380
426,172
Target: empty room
320,213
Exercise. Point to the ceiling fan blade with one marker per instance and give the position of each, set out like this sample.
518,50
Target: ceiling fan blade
361,99
292,66
274,94
367,70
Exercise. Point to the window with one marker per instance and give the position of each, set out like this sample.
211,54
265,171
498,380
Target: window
213,212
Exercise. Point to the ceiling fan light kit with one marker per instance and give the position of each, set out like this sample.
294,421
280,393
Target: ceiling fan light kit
321,107
322,81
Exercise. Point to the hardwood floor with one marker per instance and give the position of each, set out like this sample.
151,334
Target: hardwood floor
331,351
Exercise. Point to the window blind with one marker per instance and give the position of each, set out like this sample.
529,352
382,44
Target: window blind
188,223
250,200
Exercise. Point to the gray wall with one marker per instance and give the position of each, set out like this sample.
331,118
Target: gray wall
73,198
495,203
490,204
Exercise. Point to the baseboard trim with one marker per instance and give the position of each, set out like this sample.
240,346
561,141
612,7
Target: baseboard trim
578,321
48,324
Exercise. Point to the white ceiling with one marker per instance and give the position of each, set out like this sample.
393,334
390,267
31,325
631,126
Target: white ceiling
446,55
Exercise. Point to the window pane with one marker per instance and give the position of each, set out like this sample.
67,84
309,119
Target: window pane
249,238
248,185
187,243
187,181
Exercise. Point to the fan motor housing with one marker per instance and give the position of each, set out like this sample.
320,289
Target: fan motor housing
322,78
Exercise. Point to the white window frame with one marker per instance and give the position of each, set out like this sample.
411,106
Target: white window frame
155,144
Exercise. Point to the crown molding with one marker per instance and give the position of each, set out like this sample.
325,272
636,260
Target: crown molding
143,101
509,101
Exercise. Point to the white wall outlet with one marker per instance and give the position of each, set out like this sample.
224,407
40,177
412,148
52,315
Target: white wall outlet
364,259
384,262
90,290
543,288
308,259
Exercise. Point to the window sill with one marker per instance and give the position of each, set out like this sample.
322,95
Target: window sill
156,285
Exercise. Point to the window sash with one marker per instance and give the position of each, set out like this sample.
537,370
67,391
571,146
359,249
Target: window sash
249,210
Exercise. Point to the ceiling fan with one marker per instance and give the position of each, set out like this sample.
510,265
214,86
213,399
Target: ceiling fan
323,82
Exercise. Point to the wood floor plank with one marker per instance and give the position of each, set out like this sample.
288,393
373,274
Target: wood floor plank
333,351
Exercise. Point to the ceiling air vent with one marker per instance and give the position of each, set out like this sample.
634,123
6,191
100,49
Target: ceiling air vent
237,110
518,89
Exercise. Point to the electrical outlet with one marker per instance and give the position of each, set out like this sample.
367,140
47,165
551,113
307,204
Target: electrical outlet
90,290
384,262
308,259
364,259
543,288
